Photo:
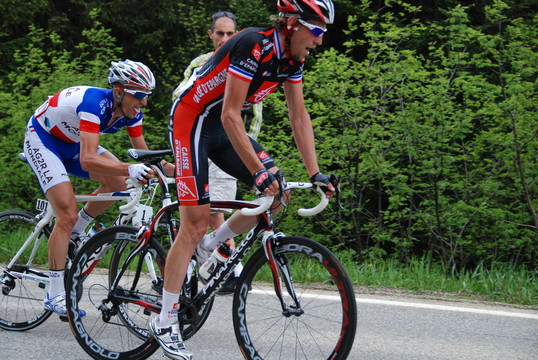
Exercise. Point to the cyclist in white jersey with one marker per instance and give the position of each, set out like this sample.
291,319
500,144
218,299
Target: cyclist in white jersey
62,138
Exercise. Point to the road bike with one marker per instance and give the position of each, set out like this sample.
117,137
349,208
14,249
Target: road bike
23,256
294,299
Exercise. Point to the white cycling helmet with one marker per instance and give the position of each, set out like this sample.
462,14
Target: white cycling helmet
131,73
322,10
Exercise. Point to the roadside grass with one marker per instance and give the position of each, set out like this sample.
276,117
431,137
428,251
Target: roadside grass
498,283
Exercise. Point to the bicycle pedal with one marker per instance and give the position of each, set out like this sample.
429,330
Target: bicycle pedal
63,318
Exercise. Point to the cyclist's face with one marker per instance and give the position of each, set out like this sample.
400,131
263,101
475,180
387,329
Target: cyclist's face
223,30
130,105
303,41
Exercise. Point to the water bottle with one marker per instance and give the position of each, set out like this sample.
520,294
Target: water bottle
217,258
98,226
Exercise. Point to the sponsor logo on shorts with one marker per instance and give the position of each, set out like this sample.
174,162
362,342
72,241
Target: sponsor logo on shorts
177,151
185,160
38,163
186,188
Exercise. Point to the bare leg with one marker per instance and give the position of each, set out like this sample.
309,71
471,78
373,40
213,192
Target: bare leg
62,199
193,226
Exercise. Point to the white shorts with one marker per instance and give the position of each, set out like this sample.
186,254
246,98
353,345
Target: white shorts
52,159
221,186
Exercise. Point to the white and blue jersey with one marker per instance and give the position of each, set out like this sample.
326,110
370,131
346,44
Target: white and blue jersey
84,108
52,140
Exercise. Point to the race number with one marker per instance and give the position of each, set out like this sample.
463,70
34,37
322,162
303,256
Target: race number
42,205
143,215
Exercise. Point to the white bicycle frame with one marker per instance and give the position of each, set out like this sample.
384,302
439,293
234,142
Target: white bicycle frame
128,211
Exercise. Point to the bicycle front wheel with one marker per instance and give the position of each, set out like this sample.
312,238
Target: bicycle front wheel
23,284
320,325
118,299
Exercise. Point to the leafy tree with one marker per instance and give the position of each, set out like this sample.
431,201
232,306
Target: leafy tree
44,68
433,147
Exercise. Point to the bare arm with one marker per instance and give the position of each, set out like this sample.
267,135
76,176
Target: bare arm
301,125
92,162
234,97
232,121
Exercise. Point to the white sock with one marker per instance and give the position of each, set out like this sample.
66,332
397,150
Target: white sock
56,282
217,237
237,270
82,223
168,315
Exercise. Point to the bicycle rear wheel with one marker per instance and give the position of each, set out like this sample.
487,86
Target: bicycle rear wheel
23,284
118,303
322,326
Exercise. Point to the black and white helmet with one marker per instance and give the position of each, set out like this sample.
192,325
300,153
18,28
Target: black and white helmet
131,73
321,10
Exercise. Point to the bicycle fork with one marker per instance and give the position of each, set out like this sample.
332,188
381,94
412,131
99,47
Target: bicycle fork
279,265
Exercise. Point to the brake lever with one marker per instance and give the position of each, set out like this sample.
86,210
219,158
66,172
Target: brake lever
336,183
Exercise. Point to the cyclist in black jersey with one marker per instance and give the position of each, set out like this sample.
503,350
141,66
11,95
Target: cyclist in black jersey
206,122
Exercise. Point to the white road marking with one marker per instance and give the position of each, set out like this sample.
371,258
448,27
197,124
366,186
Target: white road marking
525,315
450,308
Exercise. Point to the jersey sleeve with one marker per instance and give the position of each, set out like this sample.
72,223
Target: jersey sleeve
134,131
134,128
90,110
297,77
89,126
245,58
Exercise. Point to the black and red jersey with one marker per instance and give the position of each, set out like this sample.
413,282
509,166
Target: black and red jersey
254,55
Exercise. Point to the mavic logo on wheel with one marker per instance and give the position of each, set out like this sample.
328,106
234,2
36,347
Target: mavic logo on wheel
78,326
243,326
300,249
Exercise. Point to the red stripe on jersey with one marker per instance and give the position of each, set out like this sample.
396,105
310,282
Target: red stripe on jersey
53,101
294,81
239,75
60,135
134,131
89,126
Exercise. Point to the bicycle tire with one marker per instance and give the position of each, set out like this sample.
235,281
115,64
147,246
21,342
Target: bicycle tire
114,328
325,330
21,299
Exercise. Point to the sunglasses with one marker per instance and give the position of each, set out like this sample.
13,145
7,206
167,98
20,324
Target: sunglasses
314,30
139,95
220,14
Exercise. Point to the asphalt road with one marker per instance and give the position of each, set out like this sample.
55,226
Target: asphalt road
389,327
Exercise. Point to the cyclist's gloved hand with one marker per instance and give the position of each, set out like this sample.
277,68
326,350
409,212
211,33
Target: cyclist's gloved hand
323,181
263,179
138,172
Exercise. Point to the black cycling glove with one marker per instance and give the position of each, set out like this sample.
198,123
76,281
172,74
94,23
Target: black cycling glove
263,179
322,181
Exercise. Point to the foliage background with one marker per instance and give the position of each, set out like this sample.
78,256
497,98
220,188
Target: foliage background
425,110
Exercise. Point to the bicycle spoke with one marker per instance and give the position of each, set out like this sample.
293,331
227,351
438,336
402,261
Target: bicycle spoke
319,329
23,285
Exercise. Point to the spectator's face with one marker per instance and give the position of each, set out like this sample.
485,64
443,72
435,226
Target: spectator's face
223,30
